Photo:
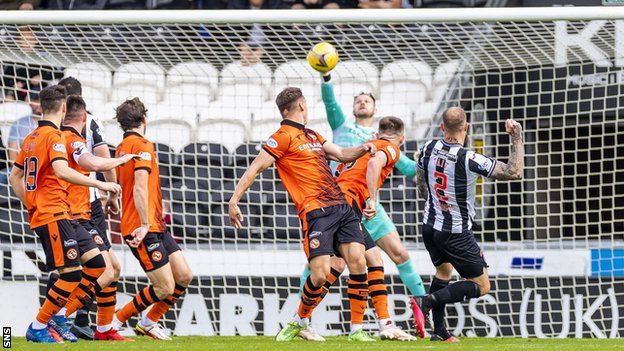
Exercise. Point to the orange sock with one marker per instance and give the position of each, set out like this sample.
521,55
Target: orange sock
358,296
333,276
106,300
58,295
161,307
85,290
141,301
309,295
378,292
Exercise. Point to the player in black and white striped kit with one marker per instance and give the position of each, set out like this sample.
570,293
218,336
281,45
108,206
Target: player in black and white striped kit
446,177
96,145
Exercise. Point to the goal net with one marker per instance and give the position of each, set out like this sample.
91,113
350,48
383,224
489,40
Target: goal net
554,240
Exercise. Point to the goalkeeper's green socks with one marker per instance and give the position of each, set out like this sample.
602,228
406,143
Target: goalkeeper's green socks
304,277
411,278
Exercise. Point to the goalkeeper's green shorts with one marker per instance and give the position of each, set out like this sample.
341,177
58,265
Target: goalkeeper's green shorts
380,225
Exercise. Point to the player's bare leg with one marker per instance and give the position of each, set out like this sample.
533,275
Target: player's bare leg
354,256
320,267
182,275
379,295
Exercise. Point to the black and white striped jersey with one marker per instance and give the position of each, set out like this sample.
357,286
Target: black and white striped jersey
451,174
94,134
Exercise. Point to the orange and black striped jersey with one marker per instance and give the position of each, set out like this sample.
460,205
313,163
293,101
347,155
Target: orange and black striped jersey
78,194
352,179
302,166
46,194
134,143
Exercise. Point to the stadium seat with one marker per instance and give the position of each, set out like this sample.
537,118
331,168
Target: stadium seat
357,72
167,110
167,166
175,133
403,111
229,133
410,148
104,112
267,111
228,108
96,80
245,84
190,209
441,79
191,84
262,130
405,82
138,79
398,196
298,74
9,112
113,132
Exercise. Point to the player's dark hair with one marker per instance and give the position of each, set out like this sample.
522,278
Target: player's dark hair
454,119
51,98
76,106
391,126
287,99
367,94
130,114
72,85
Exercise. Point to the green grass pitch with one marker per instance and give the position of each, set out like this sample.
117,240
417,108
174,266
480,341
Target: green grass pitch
334,344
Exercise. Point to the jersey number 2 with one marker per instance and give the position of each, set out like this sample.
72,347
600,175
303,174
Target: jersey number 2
440,186
30,175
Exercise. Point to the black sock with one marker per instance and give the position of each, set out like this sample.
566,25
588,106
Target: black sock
457,292
82,315
438,311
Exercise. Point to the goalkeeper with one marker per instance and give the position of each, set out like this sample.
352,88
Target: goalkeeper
353,132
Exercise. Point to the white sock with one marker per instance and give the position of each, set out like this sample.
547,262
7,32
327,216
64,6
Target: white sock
146,321
355,327
38,325
104,328
116,323
384,323
302,321
61,312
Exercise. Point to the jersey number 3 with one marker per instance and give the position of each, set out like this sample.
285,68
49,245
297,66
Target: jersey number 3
30,175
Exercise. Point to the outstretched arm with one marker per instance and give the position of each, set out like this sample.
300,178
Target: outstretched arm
263,161
512,170
336,153
68,174
335,116
406,166
94,163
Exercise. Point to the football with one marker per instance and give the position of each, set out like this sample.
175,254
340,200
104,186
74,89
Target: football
323,57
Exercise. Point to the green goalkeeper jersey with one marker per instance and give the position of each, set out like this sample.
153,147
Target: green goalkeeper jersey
346,133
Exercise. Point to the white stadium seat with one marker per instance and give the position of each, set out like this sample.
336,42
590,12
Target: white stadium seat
113,132
229,133
267,111
250,82
191,84
96,80
169,111
261,131
322,127
298,74
405,82
175,133
441,79
144,80
228,108
351,78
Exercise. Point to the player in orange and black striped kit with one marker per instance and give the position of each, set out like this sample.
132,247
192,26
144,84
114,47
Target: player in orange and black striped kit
359,181
84,162
39,179
143,227
330,226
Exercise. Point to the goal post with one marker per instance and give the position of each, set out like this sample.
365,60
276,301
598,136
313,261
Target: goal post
554,240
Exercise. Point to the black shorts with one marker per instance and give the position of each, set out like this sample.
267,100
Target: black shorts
368,240
325,229
154,250
459,249
99,218
98,237
63,243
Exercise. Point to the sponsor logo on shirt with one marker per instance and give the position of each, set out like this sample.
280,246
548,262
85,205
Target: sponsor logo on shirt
77,145
59,148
